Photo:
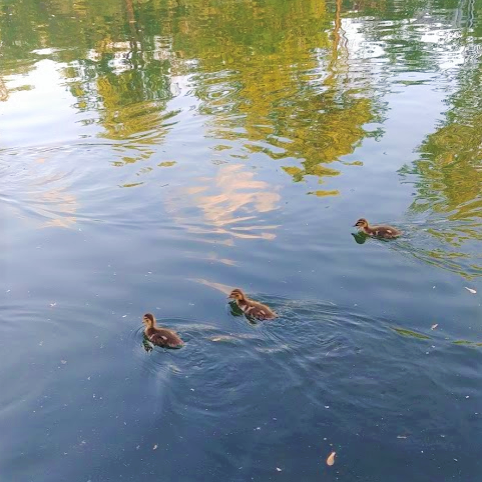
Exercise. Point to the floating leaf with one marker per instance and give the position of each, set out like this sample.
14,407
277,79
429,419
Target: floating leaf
470,290
331,459
434,326
224,338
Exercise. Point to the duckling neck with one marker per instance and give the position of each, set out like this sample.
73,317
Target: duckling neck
243,302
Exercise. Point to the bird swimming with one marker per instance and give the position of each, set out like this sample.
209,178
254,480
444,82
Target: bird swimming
251,308
386,232
160,336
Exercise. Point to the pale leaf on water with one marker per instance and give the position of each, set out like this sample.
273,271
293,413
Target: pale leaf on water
434,326
471,290
331,459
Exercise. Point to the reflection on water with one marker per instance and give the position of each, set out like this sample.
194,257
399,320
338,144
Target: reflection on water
194,146
298,99
39,192
228,204
448,175
3,91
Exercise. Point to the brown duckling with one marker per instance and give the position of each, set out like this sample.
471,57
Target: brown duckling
387,232
251,308
160,336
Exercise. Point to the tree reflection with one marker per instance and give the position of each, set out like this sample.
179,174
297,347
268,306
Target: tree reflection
3,91
274,74
277,80
276,77
449,173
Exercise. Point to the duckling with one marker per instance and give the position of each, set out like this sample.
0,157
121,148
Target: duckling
251,308
160,336
387,232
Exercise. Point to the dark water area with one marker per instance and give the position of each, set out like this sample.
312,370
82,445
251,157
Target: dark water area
155,154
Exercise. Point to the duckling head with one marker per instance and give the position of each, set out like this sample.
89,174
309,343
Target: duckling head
361,223
149,320
237,294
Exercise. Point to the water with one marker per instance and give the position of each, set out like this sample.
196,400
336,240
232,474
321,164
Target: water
155,154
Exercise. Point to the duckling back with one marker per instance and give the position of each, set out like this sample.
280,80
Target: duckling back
164,338
387,232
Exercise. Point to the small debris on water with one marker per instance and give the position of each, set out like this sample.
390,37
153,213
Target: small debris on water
467,396
64,362
327,406
278,469
471,290
331,459
434,326
53,304
402,436
155,447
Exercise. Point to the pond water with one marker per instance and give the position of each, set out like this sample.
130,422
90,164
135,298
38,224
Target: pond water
155,154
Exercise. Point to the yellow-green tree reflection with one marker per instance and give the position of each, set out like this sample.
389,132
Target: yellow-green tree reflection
277,79
449,177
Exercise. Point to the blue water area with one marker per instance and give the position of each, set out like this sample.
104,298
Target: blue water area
155,155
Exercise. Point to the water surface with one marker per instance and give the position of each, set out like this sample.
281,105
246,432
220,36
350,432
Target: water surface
155,154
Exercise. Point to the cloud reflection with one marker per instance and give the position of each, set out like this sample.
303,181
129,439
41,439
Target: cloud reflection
230,204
